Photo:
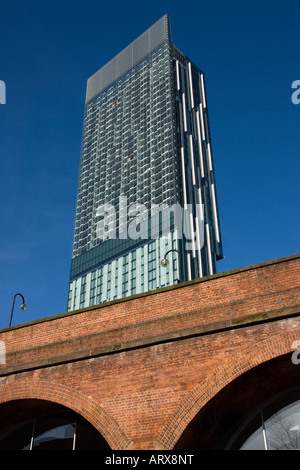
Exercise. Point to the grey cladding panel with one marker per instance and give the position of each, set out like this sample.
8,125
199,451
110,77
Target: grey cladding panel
129,57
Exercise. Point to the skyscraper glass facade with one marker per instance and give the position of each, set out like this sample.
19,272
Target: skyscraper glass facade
146,181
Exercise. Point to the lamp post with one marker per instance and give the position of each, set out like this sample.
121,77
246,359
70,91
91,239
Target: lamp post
23,306
164,262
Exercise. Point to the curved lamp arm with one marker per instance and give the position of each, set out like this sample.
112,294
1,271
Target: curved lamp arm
23,306
164,262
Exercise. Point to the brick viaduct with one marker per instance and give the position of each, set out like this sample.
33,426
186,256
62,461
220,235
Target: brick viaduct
176,368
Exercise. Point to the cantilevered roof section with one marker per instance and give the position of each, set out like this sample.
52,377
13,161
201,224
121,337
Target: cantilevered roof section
141,47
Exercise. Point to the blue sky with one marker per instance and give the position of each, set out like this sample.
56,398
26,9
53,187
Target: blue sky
249,52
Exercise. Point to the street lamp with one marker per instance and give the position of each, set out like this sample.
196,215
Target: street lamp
23,306
164,262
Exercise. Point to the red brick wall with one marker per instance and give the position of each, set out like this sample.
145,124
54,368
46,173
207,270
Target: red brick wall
141,369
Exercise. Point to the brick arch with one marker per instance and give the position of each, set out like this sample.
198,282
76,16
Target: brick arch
218,379
86,406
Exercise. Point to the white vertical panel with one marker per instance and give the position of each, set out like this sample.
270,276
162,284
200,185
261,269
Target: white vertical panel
138,269
72,289
189,267
178,75
192,160
158,265
203,90
104,285
114,279
209,249
78,288
184,112
209,157
129,273
146,264
200,143
162,251
165,243
199,244
183,177
87,290
200,204
192,234
120,262
191,84
215,211
202,123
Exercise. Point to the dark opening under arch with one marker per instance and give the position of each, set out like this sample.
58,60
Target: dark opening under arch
43,425
221,423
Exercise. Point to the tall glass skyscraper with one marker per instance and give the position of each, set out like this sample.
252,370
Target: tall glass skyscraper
146,184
